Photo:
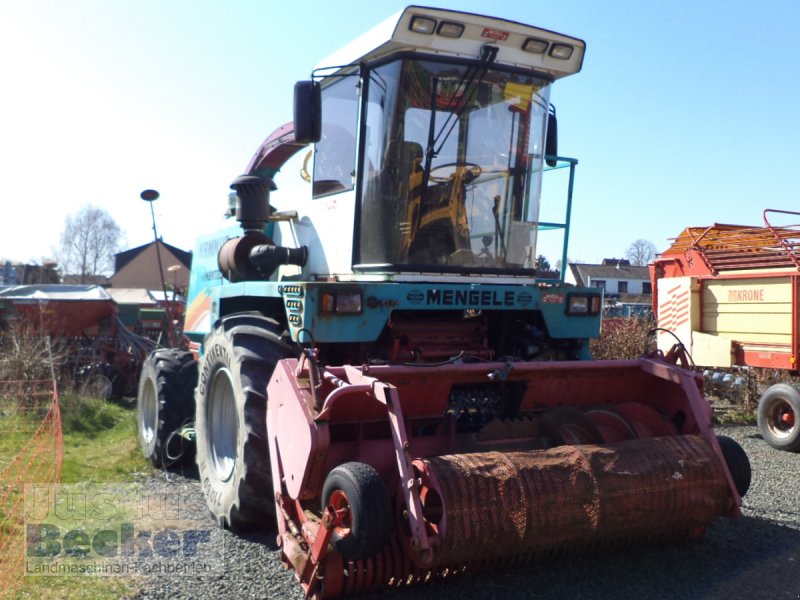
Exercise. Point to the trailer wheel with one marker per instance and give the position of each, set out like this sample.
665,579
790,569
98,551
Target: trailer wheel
98,380
230,419
778,412
358,489
738,463
165,403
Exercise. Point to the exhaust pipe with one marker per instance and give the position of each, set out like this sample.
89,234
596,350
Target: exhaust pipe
254,256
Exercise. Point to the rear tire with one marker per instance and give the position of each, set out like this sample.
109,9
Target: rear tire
778,413
164,404
230,419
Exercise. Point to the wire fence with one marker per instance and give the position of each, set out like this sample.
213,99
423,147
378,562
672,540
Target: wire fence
31,451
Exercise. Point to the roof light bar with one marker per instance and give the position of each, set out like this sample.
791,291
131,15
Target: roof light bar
535,46
561,51
420,24
450,29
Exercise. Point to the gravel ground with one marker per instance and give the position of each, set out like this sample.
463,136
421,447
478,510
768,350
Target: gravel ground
756,556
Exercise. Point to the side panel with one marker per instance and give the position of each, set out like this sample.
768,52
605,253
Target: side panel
749,310
731,320
324,225
678,298
757,314
205,277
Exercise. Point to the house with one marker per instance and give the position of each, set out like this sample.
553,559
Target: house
28,274
71,279
138,267
617,277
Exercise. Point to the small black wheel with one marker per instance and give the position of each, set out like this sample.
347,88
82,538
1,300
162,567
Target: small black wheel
164,404
778,412
738,463
97,380
358,489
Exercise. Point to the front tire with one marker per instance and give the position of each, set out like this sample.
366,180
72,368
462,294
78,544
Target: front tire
778,413
164,404
230,419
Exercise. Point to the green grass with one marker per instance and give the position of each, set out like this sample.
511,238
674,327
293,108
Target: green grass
100,446
15,431
735,416
17,426
84,588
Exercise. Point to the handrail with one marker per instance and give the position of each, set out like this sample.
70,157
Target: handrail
781,239
724,247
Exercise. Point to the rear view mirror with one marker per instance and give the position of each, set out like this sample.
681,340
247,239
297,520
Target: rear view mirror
307,112
551,141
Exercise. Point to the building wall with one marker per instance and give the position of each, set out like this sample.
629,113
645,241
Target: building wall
635,286
591,274
142,271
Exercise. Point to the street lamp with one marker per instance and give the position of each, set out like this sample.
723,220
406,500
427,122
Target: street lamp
151,196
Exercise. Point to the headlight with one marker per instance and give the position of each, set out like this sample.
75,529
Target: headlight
587,305
421,24
341,301
451,30
561,51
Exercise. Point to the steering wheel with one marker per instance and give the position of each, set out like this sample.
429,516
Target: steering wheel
473,171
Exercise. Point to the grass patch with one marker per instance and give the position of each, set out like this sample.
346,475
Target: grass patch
100,446
89,416
88,587
734,416
15,432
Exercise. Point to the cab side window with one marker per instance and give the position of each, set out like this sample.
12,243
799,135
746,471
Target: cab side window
335,153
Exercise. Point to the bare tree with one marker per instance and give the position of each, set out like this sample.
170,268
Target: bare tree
89,241
641,252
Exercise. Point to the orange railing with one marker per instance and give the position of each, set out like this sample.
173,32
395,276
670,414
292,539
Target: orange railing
733,247
31,451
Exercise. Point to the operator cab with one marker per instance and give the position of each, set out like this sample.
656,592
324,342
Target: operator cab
440,134
452,160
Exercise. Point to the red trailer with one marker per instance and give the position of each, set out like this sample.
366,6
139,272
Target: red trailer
83,319
60,310
729,293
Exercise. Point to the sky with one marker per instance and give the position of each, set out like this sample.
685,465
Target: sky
685,112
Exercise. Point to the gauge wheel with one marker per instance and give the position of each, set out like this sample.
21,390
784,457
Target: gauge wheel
358,494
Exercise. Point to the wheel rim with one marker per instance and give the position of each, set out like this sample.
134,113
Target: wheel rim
781,419
222,423
339,502
148,411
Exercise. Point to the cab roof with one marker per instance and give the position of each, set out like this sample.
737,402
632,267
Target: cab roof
462,34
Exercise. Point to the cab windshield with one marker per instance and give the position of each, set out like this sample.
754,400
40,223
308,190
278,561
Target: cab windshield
452,166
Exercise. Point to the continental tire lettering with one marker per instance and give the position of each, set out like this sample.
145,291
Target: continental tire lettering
470,298
213,496
215,352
